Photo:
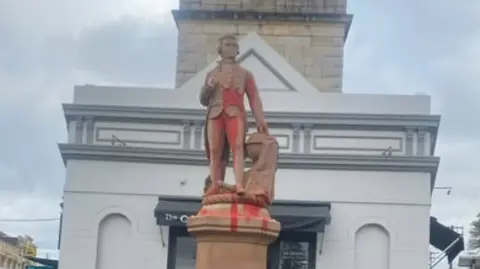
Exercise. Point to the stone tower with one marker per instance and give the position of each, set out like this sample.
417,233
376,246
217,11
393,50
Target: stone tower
310,34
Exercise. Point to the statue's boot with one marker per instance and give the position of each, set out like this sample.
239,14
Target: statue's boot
239,189
214,189
216,175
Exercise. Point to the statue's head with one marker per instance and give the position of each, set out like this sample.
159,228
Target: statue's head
228,46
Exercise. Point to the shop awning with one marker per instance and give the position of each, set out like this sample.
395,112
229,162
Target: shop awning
445,239
293,215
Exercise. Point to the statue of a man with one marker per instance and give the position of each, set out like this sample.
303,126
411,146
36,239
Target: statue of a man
226,121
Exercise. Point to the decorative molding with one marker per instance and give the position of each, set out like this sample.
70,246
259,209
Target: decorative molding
78,129
422,142
397,140
156,115
307,138
198,128
297,128
409,141
287,139
286,160
286,146
187,133
90,127
384,122
72,130
428,144
155,133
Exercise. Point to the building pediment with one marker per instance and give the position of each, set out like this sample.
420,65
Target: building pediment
272,72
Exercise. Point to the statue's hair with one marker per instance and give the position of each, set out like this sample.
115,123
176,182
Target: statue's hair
229,37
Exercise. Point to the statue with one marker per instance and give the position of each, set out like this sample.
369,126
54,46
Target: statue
226,119
233,227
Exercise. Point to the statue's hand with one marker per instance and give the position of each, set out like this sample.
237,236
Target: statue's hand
262,127
212,82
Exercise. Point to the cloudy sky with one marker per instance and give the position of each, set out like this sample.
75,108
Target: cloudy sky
408,46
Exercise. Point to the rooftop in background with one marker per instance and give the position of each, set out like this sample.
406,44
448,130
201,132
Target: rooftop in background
9,239
306,6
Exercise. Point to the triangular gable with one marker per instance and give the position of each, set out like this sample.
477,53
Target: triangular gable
272,72
267,78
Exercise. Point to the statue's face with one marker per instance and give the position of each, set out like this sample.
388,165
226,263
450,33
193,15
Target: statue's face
229,48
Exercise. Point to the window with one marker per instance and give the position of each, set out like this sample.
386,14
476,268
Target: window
181,249
292,250
185,252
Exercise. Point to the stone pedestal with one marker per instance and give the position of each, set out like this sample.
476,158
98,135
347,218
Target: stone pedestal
232,235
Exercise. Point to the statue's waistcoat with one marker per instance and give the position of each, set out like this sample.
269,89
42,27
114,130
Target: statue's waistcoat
228,80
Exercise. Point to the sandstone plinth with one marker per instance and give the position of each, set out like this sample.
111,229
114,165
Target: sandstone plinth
232,235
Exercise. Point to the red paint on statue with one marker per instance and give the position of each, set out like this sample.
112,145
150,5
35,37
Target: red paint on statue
230,125
203,212
234,97
252,211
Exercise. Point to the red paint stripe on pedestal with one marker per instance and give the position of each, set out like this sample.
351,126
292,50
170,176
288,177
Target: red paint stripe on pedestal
203,212
264,224
252,211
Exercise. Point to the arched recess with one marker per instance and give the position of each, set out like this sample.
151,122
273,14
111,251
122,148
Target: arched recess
372,247
386,224
109,210
114,241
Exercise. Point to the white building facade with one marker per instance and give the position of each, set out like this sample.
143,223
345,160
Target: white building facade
355,174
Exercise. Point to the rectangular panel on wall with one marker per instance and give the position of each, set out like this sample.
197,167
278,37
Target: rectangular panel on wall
283,136
357,142
139,135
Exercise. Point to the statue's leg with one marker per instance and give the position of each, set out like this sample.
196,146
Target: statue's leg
216,134
235,128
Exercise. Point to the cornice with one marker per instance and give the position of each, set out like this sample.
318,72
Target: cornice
286,160
159,114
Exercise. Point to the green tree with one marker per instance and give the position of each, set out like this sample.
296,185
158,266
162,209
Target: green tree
474,241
